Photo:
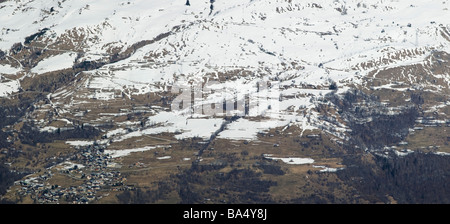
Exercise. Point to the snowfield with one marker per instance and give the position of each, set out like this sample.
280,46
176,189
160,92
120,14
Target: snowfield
297,46
55,63
6,88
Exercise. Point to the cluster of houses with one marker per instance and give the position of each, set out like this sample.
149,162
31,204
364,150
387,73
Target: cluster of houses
43,193
94,170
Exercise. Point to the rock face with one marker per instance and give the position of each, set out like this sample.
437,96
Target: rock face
320,79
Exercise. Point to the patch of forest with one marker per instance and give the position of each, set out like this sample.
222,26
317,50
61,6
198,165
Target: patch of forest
11,110
240,185
201,183
372,123
3,142
146,196
7,179
417,178
31,136
32,37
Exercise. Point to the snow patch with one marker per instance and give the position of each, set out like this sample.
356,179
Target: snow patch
69,165
58,62
293,160
442,153
8,69
244,129
115,153
327,169
80,143
7,88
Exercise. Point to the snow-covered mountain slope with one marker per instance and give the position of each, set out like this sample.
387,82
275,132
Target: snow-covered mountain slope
194,103
148,47
338,34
